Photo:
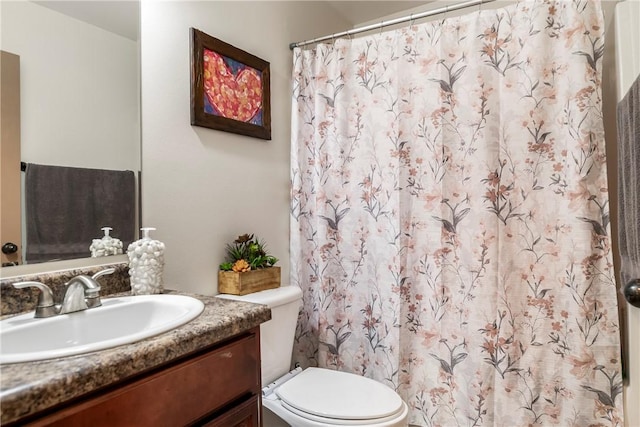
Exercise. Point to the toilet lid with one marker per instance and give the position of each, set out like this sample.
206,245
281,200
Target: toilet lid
333,394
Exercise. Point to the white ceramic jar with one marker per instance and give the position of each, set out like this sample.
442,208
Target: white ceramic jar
146,265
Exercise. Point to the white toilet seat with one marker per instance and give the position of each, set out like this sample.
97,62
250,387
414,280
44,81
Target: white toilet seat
324,397
342,422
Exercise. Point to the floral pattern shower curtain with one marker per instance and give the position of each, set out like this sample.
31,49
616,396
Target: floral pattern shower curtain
450,218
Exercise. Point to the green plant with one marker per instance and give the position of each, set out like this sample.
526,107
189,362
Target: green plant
247,253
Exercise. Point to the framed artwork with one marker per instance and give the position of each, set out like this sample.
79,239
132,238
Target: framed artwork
229,88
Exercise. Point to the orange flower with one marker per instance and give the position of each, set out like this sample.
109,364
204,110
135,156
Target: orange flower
241,266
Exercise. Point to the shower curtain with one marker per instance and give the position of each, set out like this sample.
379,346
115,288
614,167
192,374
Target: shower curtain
450,219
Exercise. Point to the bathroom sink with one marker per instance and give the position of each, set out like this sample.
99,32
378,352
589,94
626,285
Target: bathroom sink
120,320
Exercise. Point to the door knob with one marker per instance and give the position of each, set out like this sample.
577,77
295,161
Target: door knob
9,248
632,292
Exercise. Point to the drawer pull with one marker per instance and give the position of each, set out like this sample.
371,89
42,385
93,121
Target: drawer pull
226,355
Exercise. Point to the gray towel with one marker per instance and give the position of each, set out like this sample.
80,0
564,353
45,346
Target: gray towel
629,183
66,208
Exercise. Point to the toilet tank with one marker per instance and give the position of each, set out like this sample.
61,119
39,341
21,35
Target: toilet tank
276,335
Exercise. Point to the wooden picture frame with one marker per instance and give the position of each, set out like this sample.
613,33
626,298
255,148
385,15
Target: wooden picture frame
230,88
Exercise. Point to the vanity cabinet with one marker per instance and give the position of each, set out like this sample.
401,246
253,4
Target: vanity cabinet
218,386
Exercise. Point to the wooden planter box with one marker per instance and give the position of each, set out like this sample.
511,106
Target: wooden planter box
230,282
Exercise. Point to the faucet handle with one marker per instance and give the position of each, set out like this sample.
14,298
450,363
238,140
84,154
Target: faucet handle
103,273
94,291
45,306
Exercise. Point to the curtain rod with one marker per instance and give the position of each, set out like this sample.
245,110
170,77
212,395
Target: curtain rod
383,24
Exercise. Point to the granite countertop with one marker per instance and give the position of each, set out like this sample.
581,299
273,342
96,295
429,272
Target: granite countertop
28,388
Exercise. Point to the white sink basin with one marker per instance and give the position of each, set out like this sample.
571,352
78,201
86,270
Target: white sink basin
118,321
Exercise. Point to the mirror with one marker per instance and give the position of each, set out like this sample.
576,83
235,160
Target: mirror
79,89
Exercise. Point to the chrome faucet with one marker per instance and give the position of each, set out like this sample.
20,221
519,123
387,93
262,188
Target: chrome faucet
81,293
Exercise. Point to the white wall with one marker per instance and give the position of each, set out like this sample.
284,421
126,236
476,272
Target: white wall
628,68
79,89
203,187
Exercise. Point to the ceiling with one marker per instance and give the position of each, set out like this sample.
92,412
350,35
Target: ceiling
122,16
118,16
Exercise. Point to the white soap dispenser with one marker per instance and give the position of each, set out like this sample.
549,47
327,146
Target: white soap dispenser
146,264
106,246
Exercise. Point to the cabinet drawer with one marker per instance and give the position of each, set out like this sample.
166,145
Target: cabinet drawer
175,396
244,415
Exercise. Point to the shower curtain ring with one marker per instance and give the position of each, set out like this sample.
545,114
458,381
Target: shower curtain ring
411,19
381,22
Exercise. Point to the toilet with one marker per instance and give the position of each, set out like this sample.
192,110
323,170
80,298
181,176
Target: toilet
313,397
